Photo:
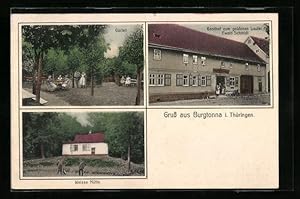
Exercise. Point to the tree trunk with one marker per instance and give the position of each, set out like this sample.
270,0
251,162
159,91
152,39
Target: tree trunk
92,82
73,82
38,82
42,150
138,95
128,156
34,75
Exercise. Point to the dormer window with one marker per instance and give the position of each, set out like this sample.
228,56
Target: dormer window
185,58
247,66
203,59
157,54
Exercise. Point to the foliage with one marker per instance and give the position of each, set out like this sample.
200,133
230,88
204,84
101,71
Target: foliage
132,49
56,61
54,129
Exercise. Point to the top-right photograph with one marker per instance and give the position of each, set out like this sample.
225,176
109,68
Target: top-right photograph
209,64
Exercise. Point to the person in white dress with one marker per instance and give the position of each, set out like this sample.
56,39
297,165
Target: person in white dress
122,81
128,81
82,81
50,85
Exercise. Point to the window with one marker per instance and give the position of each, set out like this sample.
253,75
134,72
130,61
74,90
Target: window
208,80
195,59
179,79
167,79
222,64
230,66
152,79
160,79
258,68
185,80
185,58
236,82
85,147
157,54
247,66
74,147
203,80
232,81
194,80
203,59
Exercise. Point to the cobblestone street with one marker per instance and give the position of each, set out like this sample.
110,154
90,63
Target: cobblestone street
262,99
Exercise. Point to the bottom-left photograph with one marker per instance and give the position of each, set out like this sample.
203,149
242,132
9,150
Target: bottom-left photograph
83,144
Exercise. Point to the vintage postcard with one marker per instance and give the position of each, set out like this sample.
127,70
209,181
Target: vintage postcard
144,101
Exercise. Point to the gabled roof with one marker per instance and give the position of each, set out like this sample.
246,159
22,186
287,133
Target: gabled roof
176,36
88,138
262,43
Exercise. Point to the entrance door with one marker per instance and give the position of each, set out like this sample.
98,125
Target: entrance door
246,84
93,150
221,82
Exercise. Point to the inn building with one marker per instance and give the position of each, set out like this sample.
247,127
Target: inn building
188,64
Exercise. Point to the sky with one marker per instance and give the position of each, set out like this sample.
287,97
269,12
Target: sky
115,36
253,29
81,117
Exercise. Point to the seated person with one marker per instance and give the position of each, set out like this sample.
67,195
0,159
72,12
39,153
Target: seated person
66,83
50,85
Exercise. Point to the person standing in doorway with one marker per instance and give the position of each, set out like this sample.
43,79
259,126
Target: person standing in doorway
218,89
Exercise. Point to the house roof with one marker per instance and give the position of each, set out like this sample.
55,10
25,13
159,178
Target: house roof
173,35
88,138
262,43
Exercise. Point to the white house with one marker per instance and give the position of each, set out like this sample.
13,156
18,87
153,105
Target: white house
86,144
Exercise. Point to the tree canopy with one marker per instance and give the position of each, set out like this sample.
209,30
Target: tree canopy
123,130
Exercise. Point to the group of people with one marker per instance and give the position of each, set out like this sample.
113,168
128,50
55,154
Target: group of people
125,81
65,82
220,89
60,83
80,79
62,171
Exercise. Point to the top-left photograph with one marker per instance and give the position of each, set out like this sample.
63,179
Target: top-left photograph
82,65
